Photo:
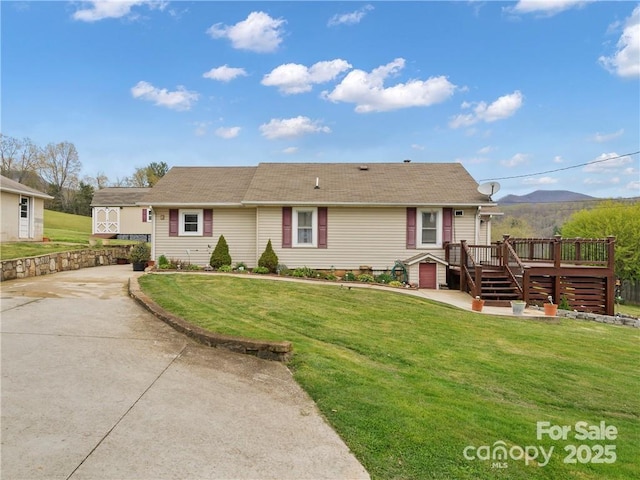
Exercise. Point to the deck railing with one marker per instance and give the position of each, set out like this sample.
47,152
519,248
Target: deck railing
570,251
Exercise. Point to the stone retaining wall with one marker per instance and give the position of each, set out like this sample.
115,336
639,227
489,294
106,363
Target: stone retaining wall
594,317
62,261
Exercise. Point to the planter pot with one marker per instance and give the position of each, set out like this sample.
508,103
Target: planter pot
477,304
518,307
151,263
550,309
139,266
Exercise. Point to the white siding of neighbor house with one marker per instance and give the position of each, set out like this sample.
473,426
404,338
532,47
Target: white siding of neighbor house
10,214
236,224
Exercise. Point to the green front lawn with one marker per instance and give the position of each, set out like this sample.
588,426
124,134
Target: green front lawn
409,383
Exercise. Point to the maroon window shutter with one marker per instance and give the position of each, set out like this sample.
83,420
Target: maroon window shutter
286,227
411,227
447,225
173,222
208,222
322,227
144,215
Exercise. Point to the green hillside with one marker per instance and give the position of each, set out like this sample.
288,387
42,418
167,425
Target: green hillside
66,227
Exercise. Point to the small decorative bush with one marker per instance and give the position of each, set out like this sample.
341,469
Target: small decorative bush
163,262
395,283
192,266
225,269
331,277
140,253
365,277
269,259
261,270
220,255
304,272
564,303
384,278
240,267
349,277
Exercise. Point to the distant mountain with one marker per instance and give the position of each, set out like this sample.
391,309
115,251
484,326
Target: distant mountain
545,196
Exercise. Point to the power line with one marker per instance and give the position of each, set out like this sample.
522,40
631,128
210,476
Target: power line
561,169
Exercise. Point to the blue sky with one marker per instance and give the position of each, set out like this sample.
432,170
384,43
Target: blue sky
506,88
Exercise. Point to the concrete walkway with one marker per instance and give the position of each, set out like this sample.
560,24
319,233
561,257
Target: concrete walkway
94,387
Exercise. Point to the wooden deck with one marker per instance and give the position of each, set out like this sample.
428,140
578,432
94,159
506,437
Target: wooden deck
578,270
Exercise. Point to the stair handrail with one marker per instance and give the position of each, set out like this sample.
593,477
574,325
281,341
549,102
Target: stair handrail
466,259
511,254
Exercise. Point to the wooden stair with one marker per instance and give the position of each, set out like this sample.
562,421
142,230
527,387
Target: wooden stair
497,289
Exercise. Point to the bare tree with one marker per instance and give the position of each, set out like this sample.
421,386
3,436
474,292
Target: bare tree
60,166
19,158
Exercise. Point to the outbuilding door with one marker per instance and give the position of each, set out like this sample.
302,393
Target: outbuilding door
25,218
427,275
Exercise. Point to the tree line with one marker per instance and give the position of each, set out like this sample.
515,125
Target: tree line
56,170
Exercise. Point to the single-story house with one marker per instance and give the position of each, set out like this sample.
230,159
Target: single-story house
22,212
116,214
326,216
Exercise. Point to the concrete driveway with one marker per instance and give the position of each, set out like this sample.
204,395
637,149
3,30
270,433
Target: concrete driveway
94,387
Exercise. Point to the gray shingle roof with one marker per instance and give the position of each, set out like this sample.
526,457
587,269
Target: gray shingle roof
339,184
8,185
118,196
201,186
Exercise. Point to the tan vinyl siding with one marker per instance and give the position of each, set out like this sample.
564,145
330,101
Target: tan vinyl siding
131,221
464,227
236,224
374,237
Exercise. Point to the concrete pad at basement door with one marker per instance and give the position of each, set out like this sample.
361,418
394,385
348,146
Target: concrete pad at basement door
95,387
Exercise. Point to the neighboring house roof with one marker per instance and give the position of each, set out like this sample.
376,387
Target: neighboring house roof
118,196
184,186
8,185
381,184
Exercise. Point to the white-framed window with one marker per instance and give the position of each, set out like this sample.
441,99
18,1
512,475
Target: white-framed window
429,229
149,214
191,222
305,227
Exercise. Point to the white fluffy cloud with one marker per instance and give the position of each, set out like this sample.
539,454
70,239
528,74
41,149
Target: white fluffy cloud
292,78
367,90
625,62
180,99
540,181
517,159
607,162
503,107
258,33
291,127
225,73
101,9
605,137
349,18
290,150
546,7
227,132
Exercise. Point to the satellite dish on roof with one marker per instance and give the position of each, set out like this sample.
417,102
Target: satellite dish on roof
489,188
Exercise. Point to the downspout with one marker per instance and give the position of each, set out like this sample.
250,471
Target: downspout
477,226
153,233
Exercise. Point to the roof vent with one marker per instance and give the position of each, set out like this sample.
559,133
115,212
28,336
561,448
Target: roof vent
364,167
407,160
